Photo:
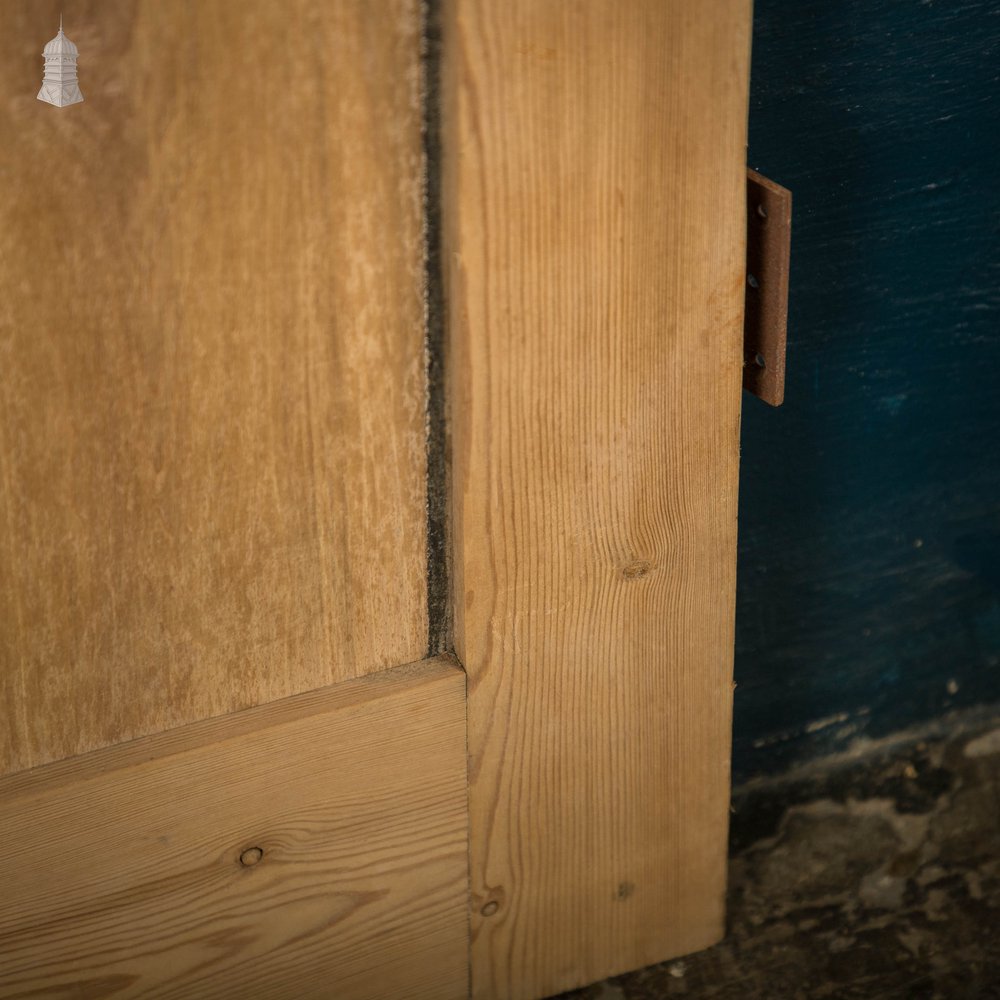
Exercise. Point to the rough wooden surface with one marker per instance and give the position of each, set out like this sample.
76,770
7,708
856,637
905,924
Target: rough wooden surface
212,468
122,873
594,197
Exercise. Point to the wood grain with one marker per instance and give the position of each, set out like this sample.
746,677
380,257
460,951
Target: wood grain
122,869
595,234
212,393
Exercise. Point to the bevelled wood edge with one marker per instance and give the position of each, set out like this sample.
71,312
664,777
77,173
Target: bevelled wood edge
343,695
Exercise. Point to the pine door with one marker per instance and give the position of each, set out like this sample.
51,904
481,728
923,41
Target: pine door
369,413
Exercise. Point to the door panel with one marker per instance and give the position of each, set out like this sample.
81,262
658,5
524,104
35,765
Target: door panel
595,222
212,393
122,872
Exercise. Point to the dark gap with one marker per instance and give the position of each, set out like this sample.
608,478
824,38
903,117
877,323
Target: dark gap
438,556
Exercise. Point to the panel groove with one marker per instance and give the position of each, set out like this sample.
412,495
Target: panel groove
439,637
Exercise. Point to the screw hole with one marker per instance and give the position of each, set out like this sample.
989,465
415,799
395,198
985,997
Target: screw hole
759,360
752,281
761,211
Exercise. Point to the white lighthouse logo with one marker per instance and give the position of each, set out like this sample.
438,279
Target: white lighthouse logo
59,85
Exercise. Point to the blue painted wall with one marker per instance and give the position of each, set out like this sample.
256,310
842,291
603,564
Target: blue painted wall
869,559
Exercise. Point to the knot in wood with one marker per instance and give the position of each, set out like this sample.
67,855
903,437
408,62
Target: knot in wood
251,856
636,570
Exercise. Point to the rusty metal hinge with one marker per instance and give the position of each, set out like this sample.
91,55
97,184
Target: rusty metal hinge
765,319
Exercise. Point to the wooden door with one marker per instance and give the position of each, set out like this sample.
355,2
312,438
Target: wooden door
351,353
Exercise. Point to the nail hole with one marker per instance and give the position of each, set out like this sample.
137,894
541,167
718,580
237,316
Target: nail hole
752,281
761,211
759,360
251,856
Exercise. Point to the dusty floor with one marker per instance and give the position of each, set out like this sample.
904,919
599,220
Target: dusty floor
877,877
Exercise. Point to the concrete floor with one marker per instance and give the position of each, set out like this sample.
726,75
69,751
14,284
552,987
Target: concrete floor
876,875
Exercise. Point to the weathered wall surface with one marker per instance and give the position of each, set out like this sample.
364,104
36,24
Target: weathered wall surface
869,580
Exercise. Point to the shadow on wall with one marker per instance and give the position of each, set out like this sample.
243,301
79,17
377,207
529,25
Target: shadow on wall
869,558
